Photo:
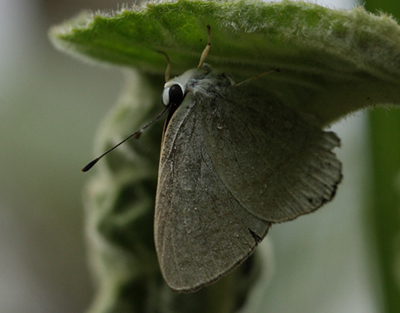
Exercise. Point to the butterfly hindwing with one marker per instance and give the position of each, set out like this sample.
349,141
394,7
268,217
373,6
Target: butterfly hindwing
275,162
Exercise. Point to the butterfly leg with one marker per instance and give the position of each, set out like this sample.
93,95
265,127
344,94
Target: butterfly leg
168,70
206,49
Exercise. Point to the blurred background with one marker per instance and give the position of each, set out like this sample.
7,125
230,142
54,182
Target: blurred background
50,106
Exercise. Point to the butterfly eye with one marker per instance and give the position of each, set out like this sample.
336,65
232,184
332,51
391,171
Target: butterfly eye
175,94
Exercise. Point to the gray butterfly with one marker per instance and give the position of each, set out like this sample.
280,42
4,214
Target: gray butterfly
232,164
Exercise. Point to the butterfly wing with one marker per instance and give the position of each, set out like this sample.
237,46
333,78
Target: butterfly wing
274,161
201,230
230,166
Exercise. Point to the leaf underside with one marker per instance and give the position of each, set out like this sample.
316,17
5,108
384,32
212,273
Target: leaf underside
332,62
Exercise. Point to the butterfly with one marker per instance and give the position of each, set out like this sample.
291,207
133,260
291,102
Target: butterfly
233,162
231,165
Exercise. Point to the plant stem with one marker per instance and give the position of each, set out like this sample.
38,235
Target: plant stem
384,213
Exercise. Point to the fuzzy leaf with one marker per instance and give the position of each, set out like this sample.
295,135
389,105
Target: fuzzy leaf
332,62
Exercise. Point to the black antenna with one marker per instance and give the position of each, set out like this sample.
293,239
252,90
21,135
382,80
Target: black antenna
139,132
135,134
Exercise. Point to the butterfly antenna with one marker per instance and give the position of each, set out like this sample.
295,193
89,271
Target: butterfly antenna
206,49
245,82
135,134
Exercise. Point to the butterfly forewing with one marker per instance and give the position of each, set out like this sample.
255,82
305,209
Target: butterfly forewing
201,230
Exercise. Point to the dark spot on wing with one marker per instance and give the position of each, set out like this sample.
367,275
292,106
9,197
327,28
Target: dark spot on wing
255,236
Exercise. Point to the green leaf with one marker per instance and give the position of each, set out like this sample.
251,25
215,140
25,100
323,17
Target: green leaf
332,62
